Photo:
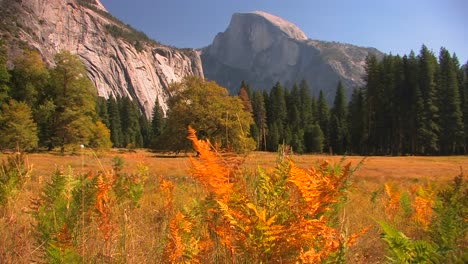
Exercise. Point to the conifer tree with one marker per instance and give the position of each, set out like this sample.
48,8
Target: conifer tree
115,124
357,122
428,122
410,109
101,110
451,117
260,118
465,106
131,131
323,117
277,112
157,121
338,122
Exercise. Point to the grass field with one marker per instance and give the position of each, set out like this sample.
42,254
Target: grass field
146,229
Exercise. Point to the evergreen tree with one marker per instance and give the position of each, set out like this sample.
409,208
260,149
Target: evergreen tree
411,110
277,112
428,121
102,111
323,117
295,122
145,129
306,105
374,92
465,105
357,122
338,122
314,139
260,118
451,116
157,121
115,124
273,138
131,131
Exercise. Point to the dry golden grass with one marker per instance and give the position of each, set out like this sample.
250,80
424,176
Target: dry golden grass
365,203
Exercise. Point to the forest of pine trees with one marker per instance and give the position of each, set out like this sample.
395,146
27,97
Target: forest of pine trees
410,105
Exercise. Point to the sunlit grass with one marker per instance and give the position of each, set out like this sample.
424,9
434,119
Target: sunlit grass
147,226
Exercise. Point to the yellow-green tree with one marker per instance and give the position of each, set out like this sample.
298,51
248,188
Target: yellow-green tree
209,109
75,104
17,127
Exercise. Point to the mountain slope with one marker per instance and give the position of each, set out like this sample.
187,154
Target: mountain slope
262,49
119,60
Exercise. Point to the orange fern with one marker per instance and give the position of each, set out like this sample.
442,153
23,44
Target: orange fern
104,184
394,201
422,205
211,169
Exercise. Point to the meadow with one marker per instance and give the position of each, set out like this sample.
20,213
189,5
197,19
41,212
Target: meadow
135,222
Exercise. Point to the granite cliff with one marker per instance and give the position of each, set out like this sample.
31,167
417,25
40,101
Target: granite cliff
262,49
119,59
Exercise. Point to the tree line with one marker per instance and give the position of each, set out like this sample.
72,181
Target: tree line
410,105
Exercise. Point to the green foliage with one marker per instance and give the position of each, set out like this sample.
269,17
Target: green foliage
74,97
207,107
443,240
129,34
4,74
404,250
451,116
13,174
63,204
17,127
449,227
157,123
339,134
129,186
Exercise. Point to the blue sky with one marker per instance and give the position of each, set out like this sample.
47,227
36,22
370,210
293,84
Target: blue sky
397,26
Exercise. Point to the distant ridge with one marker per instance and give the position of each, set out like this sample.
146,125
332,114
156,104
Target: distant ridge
262,49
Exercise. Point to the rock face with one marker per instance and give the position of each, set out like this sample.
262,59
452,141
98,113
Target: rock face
262,49
120,60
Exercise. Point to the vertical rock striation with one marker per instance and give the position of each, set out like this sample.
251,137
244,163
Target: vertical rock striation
120,60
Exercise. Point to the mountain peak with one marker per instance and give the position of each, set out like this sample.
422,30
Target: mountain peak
287,27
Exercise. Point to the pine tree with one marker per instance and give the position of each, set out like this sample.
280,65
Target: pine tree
338,122
428,121
277,112
410,109
451,116
157,122
131,132
102,111
115,124
357,122
323,117
295,122
260,118
465,105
